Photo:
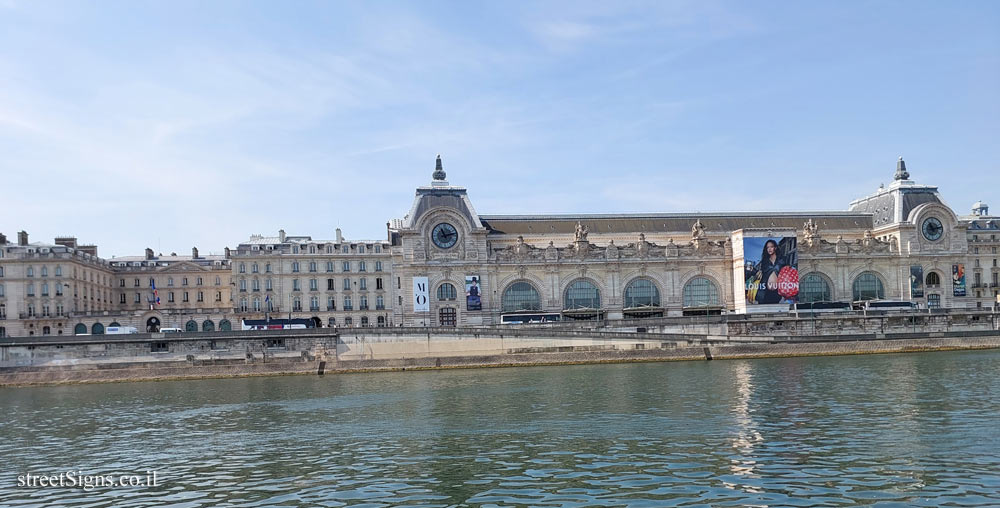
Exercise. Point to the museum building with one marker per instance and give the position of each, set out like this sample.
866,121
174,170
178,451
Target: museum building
444,264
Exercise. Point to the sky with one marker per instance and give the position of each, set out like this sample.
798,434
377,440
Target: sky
175,124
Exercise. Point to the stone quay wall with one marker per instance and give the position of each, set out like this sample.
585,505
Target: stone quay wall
48,360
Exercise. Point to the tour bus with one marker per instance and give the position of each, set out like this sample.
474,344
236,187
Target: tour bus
119,330
820,307
519,319
277,324
884,306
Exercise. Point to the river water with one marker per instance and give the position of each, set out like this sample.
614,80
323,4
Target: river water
888,430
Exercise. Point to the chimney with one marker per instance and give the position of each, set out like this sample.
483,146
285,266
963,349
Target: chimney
194,252
88,249
66,241
149,253
281,235
22,238
3,238
340,236
227,252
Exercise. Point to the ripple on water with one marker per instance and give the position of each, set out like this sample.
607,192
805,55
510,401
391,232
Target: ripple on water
892,430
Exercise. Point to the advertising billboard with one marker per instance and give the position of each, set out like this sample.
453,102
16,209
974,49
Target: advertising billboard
473,291
916,281
770,270
958,279
421,302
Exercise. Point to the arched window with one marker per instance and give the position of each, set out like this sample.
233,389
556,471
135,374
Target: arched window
114,323
191,326
256,304
641,293
364,320
208,326
700,292
79,329
446,292
225,325
814,288
244,305
868,286
520,296
933,301
933,279
97,329
582,294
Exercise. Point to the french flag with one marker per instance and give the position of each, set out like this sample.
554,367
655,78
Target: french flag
156,294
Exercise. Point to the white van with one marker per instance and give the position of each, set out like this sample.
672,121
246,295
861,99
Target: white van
170,330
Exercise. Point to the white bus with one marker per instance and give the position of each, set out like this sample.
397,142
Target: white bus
120,330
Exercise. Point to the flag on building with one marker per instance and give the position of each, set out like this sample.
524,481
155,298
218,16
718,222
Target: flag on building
156,294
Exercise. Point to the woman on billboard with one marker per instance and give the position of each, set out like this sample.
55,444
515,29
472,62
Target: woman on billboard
770,264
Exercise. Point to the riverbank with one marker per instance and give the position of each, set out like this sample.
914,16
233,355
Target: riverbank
368,352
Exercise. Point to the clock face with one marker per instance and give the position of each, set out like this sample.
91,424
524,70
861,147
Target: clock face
932,229
444,235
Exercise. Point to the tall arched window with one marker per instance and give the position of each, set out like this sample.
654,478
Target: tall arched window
225,325
97,329
641,293
446,292
520,296
933,279
814,288
256,304
868,286
700,292
208,326
582,294
191,326
79,329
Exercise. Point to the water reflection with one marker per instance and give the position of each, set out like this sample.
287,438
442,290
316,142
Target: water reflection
895,429
743,465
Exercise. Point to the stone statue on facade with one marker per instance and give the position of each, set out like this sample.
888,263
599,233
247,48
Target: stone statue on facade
698,230
581,232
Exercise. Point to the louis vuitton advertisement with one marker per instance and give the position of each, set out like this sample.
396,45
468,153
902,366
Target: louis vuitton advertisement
770,270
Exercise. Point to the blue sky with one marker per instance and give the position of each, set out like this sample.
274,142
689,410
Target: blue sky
173,124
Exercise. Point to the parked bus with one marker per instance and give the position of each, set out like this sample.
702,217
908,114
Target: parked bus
120,330
820,307
277,324
518,319
885,305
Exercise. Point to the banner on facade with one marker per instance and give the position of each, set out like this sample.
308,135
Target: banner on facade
473,292
770,269
916,281
958,279
421,302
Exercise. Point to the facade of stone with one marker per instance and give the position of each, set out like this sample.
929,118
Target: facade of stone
443,264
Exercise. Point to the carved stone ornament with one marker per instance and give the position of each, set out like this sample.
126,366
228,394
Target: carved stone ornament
611,251
581,232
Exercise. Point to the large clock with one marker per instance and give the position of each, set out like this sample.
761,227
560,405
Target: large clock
444,235
932,229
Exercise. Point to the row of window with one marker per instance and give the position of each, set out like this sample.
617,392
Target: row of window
313,284
344,249
137,282
185,297
258,305
698,292
345,266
